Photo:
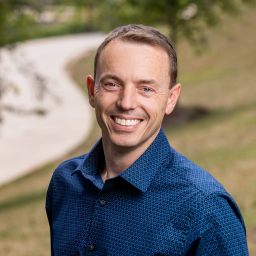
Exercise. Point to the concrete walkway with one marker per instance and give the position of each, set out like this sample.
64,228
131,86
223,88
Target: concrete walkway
28,142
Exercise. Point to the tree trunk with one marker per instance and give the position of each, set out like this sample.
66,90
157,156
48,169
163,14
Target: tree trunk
173,34
88,19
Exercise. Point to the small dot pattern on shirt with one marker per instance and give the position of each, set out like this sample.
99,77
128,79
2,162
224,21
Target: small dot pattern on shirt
163,204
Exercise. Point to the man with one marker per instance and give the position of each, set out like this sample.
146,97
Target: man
133,194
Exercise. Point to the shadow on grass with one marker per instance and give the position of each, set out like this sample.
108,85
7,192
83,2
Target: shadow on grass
181,116
23,200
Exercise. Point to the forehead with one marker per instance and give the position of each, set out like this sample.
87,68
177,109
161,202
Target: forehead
139,57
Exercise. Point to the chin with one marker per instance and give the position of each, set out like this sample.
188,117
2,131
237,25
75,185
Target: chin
125,141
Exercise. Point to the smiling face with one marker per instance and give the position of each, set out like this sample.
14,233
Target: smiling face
131,93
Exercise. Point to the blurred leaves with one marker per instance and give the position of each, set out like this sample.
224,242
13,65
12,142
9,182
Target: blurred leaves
14,20
185,18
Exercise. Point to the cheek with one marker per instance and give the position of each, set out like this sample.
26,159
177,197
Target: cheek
104,100
156,105
154,108
100,98
98,93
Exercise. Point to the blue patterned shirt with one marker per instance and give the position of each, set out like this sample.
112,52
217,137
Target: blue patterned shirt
163,204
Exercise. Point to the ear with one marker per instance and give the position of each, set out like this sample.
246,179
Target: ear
90,87
174,93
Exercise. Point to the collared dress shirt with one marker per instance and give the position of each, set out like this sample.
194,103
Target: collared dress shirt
163,204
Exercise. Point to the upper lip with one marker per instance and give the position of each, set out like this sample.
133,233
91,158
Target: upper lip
126,117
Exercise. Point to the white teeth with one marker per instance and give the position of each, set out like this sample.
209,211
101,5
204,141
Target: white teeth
126,122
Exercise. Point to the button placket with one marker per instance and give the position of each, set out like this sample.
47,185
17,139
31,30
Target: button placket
96,222
98,216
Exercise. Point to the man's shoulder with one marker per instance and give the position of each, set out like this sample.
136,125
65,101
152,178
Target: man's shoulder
195,190
190,175
69,166
63,176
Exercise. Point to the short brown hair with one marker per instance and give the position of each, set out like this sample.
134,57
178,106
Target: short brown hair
142,34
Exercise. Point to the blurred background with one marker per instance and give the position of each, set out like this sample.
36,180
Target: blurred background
214,123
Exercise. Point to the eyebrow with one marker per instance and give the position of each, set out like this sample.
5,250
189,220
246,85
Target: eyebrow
108,76
150,81
142,81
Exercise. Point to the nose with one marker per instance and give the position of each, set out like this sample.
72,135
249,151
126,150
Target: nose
127,98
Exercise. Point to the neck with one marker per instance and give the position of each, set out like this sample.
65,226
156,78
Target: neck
118,159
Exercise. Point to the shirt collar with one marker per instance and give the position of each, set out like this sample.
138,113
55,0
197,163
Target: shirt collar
89,166
140,173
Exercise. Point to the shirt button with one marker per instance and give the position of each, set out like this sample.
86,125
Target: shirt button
102,202
91,247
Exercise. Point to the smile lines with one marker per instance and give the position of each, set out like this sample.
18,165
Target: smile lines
126,121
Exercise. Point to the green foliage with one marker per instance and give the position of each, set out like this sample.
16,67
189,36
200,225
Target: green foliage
19,21
14,22
185,18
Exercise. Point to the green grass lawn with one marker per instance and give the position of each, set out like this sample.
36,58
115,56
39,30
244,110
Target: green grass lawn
223,143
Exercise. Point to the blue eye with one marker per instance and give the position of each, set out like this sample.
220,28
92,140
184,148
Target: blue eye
146,89
111,86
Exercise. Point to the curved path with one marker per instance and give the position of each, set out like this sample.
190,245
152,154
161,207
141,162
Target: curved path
27,142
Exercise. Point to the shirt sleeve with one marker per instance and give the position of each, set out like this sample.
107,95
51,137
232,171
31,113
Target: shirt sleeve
223,230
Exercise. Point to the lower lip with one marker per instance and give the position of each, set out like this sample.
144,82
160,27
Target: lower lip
125,127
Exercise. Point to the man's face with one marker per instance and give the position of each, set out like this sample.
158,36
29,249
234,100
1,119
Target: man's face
131,93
